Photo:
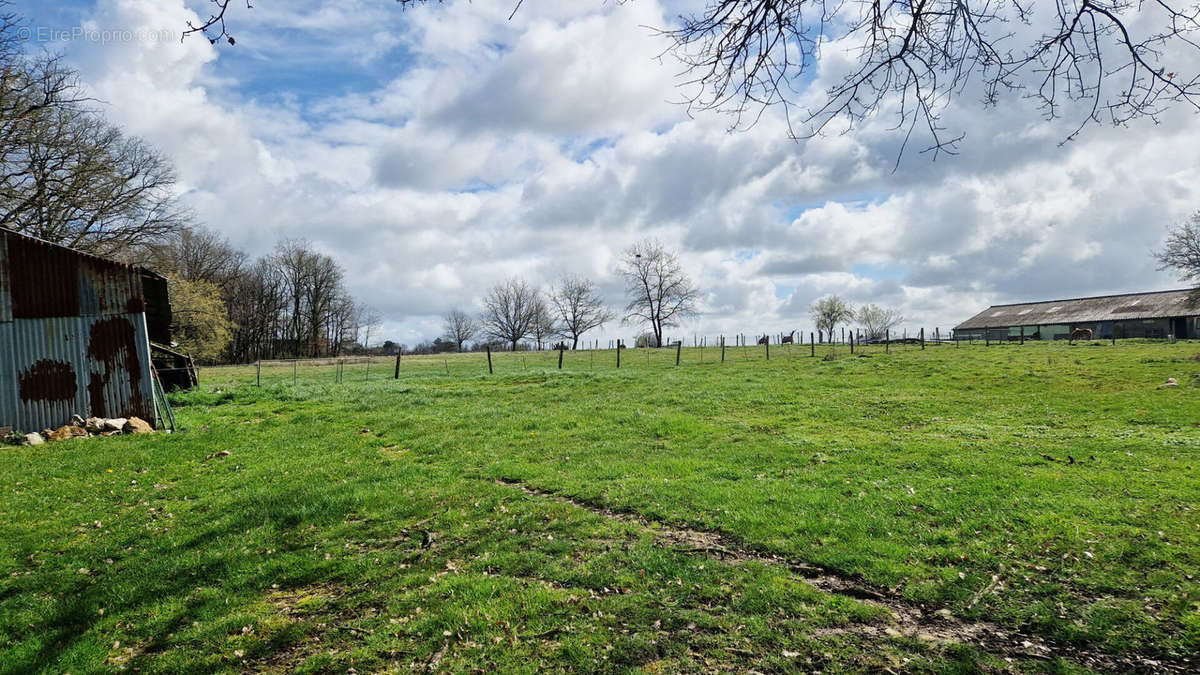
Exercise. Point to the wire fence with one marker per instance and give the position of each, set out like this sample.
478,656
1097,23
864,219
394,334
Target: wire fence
706,351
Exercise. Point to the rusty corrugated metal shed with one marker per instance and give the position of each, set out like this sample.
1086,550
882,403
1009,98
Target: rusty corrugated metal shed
1128,307
73,336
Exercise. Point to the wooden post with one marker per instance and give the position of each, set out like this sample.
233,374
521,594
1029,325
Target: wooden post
258,373
367,377
722,349
851,342
767,344
887,341
678,349
618,354
560,355
489,353
812,345
1022,334
987,337
922,337
294,362
447,360
398,353
843,335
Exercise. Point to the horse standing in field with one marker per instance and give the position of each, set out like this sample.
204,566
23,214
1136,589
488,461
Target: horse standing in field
764,339
788,339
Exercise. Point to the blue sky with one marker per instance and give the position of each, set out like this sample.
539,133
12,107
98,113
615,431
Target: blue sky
436,150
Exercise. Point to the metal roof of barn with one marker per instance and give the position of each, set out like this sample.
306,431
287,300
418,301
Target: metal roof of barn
1127,307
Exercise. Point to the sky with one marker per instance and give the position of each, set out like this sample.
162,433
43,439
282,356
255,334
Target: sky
436,150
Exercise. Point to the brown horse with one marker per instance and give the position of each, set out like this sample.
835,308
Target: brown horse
764,340
788,339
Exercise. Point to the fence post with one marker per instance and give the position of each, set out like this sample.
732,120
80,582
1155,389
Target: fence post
489,353
767,344
987,337
294,362
922,337
367,377
447,360
812,345
887,341
722,349
678,349
851,342
560,355
258,373
1022,334
398,353
618,354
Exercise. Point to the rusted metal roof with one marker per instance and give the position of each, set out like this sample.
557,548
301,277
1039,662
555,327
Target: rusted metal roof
1128,307
73,336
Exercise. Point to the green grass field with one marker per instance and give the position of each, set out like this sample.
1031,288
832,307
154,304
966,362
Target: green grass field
1024,508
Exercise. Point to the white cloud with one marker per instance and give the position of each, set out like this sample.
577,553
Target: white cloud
470,148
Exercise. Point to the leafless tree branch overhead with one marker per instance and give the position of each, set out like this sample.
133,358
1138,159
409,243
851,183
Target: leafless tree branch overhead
910,58
1096,60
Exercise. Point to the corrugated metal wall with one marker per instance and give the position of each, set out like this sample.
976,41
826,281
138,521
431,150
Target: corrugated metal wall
73,337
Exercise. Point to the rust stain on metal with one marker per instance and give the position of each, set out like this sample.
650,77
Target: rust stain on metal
96,395
112,340
44,279
48,380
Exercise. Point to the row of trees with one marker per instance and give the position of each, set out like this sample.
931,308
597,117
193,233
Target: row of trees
291,302
874,321
659,295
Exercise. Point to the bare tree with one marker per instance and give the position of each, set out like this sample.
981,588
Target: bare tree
197,254
579,307
459,327
544,324
1115,60
660,293
876,321
829,312
1181,252
369,320
70,177
510,310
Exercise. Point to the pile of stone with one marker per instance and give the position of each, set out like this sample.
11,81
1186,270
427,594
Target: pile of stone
92,426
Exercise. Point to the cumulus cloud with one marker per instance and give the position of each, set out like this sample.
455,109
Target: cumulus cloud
436,150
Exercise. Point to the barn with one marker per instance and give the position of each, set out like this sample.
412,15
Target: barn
1157,314
75,333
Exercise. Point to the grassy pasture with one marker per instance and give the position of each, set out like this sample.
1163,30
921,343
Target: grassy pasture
393,525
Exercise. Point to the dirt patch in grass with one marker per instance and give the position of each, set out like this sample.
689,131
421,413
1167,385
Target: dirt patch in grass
906,619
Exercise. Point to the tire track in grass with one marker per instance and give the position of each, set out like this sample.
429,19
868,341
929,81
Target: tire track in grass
908,619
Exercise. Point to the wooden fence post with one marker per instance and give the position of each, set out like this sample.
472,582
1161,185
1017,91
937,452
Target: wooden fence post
987,337
812,345
560,355
618,354
398,353
678,349
489,353
294,376
922,337
258,373
887,341
767,344
1022,334
722,349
